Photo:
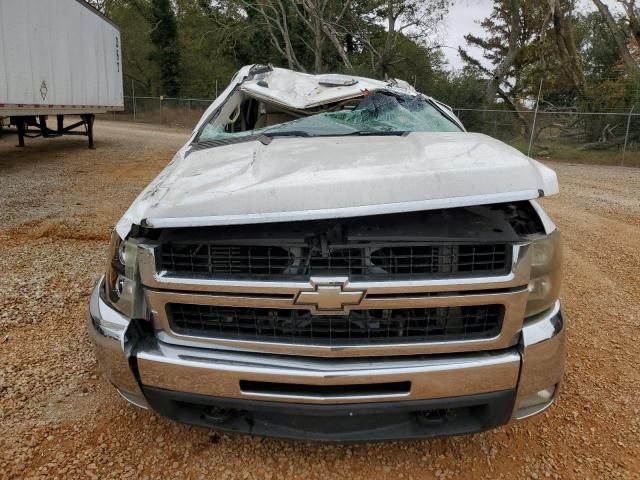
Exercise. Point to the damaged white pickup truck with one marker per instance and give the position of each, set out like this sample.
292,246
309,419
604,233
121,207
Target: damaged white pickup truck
335,258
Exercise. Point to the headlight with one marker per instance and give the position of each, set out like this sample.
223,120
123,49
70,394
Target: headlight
546,273
121,286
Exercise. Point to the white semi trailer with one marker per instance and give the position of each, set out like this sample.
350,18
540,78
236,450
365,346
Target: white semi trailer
57,58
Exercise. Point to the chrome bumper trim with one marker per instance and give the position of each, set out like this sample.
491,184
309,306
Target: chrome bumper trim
536,364
543,350
218,374
108,330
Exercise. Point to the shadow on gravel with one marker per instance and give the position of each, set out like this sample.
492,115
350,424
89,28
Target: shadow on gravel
39,150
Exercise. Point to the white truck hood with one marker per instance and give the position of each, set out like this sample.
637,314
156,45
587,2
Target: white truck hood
331,177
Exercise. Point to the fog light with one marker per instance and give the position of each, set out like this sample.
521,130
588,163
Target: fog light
536,402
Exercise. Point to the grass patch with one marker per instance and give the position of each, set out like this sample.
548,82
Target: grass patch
571,153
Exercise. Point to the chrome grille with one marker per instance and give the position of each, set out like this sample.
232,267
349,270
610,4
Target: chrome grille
429,259
424,260
224,259
429,283
359,327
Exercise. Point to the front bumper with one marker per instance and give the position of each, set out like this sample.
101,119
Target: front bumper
109,331
329,399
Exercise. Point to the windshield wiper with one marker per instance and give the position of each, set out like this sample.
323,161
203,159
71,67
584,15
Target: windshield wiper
362,133
287,133
382,133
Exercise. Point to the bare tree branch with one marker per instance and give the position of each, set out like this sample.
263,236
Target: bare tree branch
569,58
515,47
619,37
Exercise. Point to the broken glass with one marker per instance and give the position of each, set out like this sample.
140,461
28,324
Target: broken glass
380,112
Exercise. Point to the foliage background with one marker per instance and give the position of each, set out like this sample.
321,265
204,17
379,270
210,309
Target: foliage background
192,48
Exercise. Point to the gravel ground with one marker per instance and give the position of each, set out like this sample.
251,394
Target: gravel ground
59,418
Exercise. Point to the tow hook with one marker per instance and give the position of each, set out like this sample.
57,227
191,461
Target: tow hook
218,416
432,417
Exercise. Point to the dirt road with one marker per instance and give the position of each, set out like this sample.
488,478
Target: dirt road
59,418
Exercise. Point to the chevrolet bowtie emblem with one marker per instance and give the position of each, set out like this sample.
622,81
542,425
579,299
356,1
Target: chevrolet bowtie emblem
329,296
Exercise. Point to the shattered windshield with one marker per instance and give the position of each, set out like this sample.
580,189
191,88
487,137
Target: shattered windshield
379,113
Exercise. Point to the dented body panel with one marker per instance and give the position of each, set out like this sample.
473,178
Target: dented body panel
301,178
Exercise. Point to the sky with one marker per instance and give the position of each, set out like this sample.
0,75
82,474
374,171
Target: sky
463,18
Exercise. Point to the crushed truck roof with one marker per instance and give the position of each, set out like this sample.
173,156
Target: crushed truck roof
302,91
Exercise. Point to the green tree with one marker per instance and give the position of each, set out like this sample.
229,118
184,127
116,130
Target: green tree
207,49
164,36
620,35
136,47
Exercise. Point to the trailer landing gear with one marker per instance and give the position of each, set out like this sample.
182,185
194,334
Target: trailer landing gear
40,128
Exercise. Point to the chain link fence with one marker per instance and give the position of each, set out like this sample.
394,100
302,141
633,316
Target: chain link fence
594,137
568,135
176,112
